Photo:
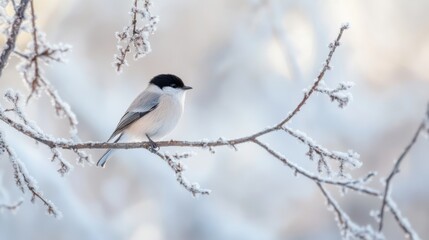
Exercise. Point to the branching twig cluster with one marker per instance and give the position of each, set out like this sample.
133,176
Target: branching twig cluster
349,229
134,35
15,99
339,94
23,179
38,51
179,168
350,158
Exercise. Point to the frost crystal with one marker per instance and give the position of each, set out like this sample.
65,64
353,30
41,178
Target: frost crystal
339,94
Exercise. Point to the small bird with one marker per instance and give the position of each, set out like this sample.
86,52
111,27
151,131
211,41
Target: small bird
152,115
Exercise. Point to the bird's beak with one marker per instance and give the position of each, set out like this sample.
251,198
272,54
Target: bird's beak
186,88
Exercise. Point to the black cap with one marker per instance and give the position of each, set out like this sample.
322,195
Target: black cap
168,80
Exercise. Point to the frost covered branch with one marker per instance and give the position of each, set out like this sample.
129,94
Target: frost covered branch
386,193
339,94
15,99
135,36
24,181
326,66
13,34
403,222
179,168
349,229
350,158
39,50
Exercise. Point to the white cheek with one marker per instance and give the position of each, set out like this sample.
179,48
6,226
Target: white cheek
174,91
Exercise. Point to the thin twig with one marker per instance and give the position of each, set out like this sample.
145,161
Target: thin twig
134,21
349,229
333,46
11,207
350,184
178,169
402,221
123,53
14,5
36,80
394,171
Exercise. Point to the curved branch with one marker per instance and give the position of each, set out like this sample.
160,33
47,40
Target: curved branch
395,170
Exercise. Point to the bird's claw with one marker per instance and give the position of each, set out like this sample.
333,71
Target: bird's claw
153,147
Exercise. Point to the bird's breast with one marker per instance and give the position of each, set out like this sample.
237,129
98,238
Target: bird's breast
159,122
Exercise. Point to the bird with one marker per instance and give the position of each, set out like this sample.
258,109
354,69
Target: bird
153,114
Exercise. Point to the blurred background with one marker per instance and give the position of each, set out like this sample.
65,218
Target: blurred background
248,61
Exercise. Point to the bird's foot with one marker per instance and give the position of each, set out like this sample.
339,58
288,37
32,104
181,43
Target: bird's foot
153,147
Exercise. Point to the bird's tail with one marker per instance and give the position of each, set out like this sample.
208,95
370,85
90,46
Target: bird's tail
106,156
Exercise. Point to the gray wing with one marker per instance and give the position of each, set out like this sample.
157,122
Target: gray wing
142,105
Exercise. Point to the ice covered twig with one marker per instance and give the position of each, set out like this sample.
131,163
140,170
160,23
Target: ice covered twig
39,50
403,222
326,66
339,94
348,228
24,180
13,34
350,158
134,35
178,168
15,99
11,206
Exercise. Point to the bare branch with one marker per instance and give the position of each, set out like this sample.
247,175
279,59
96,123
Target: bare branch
395,170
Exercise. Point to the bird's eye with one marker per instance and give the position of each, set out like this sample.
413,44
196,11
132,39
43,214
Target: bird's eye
173,85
